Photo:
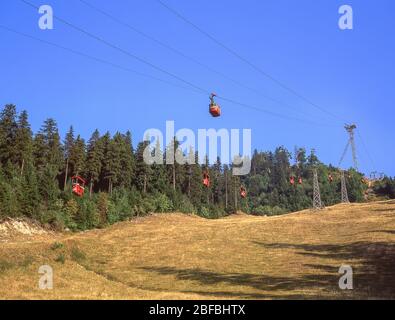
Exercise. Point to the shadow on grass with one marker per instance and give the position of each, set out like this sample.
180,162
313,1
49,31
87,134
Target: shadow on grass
375,275
274,285
373,278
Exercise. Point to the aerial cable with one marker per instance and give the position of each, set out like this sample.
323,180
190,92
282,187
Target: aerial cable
115,47
145,75
252,65
275,114
178,52
79,53
366,150
82,54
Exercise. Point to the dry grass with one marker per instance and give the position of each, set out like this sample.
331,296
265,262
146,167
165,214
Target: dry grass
176,256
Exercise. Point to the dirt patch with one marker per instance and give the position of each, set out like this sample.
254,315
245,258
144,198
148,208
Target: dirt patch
20,227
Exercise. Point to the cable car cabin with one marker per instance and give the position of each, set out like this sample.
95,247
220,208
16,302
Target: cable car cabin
215,109
243,192
292,180
78,186
206,180
330,178
300,180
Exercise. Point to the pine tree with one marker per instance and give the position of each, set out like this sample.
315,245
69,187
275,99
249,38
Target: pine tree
197,188
94,160
24,143
53,152
67,147
143,171
125,151
8,132
160,183
48,156
77,156
111,167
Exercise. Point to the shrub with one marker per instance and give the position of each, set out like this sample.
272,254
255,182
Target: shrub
88,216
162,203
5,265
77,255
61,258
119,208
71,208
186,206
204,212
57,246
57,220
102,208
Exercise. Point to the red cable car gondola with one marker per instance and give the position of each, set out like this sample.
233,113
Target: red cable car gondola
206,179
215,109
292,180
243,192
78,186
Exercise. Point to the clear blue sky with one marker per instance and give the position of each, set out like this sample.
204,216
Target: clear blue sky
350,73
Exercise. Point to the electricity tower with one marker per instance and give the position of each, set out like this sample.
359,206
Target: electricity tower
317,203
350,128
344,188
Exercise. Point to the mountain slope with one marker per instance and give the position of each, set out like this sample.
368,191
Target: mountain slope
176,256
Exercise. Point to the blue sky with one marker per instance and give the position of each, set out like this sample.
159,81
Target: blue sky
350,73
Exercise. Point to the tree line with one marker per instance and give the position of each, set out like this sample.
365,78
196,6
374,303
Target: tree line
35,171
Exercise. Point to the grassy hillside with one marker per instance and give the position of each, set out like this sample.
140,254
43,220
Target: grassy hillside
175,256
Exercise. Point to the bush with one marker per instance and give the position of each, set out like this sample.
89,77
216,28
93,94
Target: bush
148,205
71,208
61,258
162,203
57,246
204,212
55,219
102,208
88,216
186,206
119,208
77,255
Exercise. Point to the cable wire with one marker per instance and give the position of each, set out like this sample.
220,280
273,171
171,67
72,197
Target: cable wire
82,54
252,65
366,150
115,47
206,92
178,52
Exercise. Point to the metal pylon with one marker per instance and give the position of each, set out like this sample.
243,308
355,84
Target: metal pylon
351,142
344,188
317,203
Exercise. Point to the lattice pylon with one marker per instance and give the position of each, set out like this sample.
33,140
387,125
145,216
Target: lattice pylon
344,188
317,203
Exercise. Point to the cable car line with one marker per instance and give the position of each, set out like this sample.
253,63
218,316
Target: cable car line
252,65
203,91
178,52
366,150
106,62
245,105
79,53
115,47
